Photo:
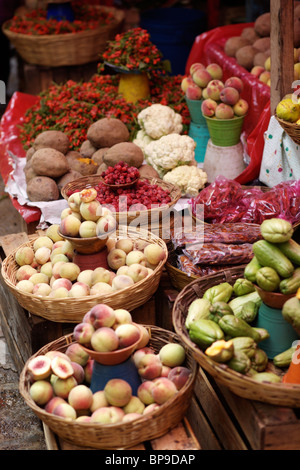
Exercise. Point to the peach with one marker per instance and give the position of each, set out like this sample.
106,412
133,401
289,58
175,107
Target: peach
35,264
125,244
131,417
90,210
41,392
118,392
229,95
79,289
204,94
179,375
98,400
100,275
53,403
140,244
39,367
52,353
56,251
80,397
144,392
135,405
86,276
59,293
69,271
25,272
67,249
88,229
24,255
110,244
208,107
78,373
163,390
56,269
101,288
61,282
122,270
52,233
83,419
235,82
267,64
69,226
39,277
41,242
104,339
137,272
196,66
74,202
136,256
224,111
57,244
25,286
106,225
128,334
257,70
145,337
62,387
107,415
193,92
77,354
241,107
82,333
165,371
122,316
139,353
172,354
61,367
68,211
215,70
150,408
64,410
121,282
101,315
214,89
185,82
88,194
42,289
88,370
59,257
149,366
47,269
201,77
116,258
154,253
265,76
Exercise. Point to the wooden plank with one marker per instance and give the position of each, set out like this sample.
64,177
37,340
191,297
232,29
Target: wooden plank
145,314
282,49
201,427
12,241
176,439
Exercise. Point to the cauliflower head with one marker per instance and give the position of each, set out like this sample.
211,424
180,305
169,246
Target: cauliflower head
158,120
142,139
170,151
190,179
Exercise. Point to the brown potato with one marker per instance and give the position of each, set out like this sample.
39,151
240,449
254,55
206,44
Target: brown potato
260,58
262,24
101,168
52,139
70,176
125,151
49,162
42,188
250,34
148,171
262,44
29,172
29,153
84,166
107,132
245,56
87,149
233,44
99,154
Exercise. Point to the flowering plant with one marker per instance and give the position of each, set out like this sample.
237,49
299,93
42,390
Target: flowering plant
35,22
131,51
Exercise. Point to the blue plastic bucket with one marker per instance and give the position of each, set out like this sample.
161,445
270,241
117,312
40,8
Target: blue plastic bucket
173,31
200,134
126,371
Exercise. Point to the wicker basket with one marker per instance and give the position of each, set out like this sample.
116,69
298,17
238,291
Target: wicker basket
66,49
146,217
243,386
118,436
178,278
71,310
291,128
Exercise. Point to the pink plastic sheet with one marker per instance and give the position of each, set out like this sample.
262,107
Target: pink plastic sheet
209,48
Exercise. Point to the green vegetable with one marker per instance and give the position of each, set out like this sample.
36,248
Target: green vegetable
251,269
266,377
276,230
259,360
221,292
291,249
268,254
291,284
199,308
234,326
238,303
244,344
267,279
243,286
264,334
204,332
248,312
291,313
285,358
218,310
239,362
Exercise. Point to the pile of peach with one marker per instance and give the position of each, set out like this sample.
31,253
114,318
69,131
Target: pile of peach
220,100
60,382
47,269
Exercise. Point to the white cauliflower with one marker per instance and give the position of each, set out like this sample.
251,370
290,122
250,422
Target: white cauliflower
190,179
142,139
158,120
170,151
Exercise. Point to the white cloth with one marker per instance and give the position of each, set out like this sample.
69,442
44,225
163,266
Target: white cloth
281,156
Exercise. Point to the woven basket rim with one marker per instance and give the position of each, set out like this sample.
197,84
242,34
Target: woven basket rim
127,428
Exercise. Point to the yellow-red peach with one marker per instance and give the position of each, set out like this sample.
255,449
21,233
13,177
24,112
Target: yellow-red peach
172,354
208,107
128,334
137,272
154,253
235,82
165,371
257,70
136,256
68,249
214,89
215,70
144,392
53,403
41,289
74,202
62,387
82,333
163,390
104,339
106,225
59,293
151,408
125,244
38,278
88,229
58,244
201,77
83,419
122,316
193,92
224,111
90,210
39,367
59,257
229,95
122,270
101,288
52,353
100,274
145,337
265,76
25,272
241,107
121,282
79,289
56,269
41,392
131,417
149,366
116,258
195,66
88,370
69,226
61,282
25,286
78,372
107,415
118,392
139,353
185,82
135,405
56,251
61,367
80,397
101,315
86,276
64,410
47,269
52,232
77,354
24,255
41,242
98,401
88,194
69,271
179,376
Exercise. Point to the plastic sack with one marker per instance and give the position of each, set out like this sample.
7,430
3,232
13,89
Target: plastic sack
189,268
220,254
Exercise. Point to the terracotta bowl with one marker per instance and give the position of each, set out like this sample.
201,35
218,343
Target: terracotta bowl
114,357
87,245
273,299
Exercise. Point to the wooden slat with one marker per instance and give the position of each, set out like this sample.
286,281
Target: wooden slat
176,439
201,427
12,241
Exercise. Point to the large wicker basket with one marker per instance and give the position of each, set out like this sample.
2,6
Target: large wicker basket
117,436
72,310
242,385
291,128
66,49
145,217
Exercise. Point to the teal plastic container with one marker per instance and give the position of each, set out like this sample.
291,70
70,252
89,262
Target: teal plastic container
200,134
195,111
282,334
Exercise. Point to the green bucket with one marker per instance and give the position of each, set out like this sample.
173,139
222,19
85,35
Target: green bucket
225,132
195,111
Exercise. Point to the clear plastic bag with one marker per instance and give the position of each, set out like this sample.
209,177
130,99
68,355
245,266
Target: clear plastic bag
220,254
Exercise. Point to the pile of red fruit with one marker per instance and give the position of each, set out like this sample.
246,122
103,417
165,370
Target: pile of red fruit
119,174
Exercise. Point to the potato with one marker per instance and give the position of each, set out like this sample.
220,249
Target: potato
49,162
245,56
52,139
42,188
29,153
260,58
87,149
84,166
99,154
107,132
70,176
262,25
262,44
233,44
250,34
125,151
29,172
148,171
101,168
